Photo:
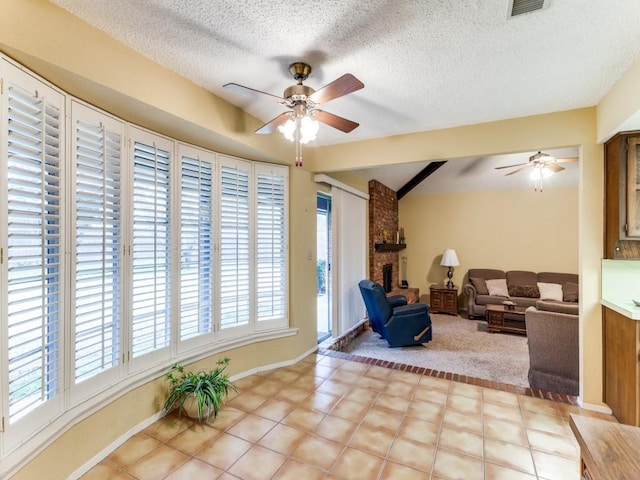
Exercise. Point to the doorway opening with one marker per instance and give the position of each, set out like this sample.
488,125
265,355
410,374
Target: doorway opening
324,266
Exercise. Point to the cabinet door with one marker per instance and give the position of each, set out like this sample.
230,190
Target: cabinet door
621,366
436,300
633,187
450,301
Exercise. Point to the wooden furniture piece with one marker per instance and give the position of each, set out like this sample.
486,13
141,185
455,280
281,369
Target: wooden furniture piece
495,315
412,294
622,196
621,344
443,299
608,450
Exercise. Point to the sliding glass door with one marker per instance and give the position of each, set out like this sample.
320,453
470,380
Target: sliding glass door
324,266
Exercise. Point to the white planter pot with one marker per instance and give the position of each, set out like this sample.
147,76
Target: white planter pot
190,407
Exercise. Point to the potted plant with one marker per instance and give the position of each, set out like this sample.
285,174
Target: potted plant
198,394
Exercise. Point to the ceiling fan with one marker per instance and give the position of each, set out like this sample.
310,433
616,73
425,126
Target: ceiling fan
540,160
542,165
303,101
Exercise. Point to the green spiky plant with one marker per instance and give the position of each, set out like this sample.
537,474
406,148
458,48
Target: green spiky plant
208,388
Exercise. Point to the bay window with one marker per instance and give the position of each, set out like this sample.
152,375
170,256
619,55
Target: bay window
121,254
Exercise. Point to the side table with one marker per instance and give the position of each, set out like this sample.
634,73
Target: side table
412,294
443,299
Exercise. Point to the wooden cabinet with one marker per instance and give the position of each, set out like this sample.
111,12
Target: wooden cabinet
622,196
443,299
633,187
621,344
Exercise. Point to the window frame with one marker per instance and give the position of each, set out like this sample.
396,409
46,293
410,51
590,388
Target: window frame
239,329
25,426
279,321
163,353
201,340
86,388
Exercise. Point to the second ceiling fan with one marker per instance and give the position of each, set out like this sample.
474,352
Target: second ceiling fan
540,160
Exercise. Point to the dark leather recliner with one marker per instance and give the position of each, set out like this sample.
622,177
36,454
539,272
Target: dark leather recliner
395,321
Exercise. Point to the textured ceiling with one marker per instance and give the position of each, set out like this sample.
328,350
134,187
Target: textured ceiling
426,64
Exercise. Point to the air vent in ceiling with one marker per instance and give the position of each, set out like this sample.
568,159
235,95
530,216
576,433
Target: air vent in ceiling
518,7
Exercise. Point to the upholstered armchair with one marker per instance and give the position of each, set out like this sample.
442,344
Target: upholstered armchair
395,321
552,335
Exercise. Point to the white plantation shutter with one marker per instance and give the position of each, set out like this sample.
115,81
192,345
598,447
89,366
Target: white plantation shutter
32,146
196,247
271,246
235,249
150,250
97,145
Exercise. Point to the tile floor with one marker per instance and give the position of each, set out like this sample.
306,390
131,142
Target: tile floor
335,419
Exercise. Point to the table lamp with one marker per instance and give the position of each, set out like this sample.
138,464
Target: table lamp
450,259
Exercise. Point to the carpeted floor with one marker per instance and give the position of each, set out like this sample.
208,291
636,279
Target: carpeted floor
459,346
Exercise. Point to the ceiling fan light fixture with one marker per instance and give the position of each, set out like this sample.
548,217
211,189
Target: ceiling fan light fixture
304,128
539,173
308,129
288,130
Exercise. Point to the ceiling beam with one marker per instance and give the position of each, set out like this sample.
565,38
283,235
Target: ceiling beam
415,181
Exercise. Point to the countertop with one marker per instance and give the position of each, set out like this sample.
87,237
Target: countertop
620,285
608,449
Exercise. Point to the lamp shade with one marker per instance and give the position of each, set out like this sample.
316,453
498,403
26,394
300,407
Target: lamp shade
449,258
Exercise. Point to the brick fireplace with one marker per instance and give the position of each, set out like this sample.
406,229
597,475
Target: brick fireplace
383,216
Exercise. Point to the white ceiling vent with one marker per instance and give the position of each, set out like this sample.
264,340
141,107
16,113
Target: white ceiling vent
518,7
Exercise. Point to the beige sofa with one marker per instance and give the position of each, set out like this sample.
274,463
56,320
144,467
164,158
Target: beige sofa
524,288
552,335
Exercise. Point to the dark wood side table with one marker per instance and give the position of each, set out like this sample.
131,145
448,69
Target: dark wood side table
443,299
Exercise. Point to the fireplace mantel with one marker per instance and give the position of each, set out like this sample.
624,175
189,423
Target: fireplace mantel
390,247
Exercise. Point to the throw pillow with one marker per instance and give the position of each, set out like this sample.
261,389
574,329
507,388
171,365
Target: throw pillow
570,292
480,285
550,291
529,291
497,287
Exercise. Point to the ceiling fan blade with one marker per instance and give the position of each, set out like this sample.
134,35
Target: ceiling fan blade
554,167
335,121
511,166
516,171
234,87
344,85
566,160
271,126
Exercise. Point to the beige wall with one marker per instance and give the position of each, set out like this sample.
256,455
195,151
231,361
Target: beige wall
504,229
619,110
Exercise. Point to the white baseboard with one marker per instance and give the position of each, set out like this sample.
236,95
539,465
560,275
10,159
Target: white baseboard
98,457
101,455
